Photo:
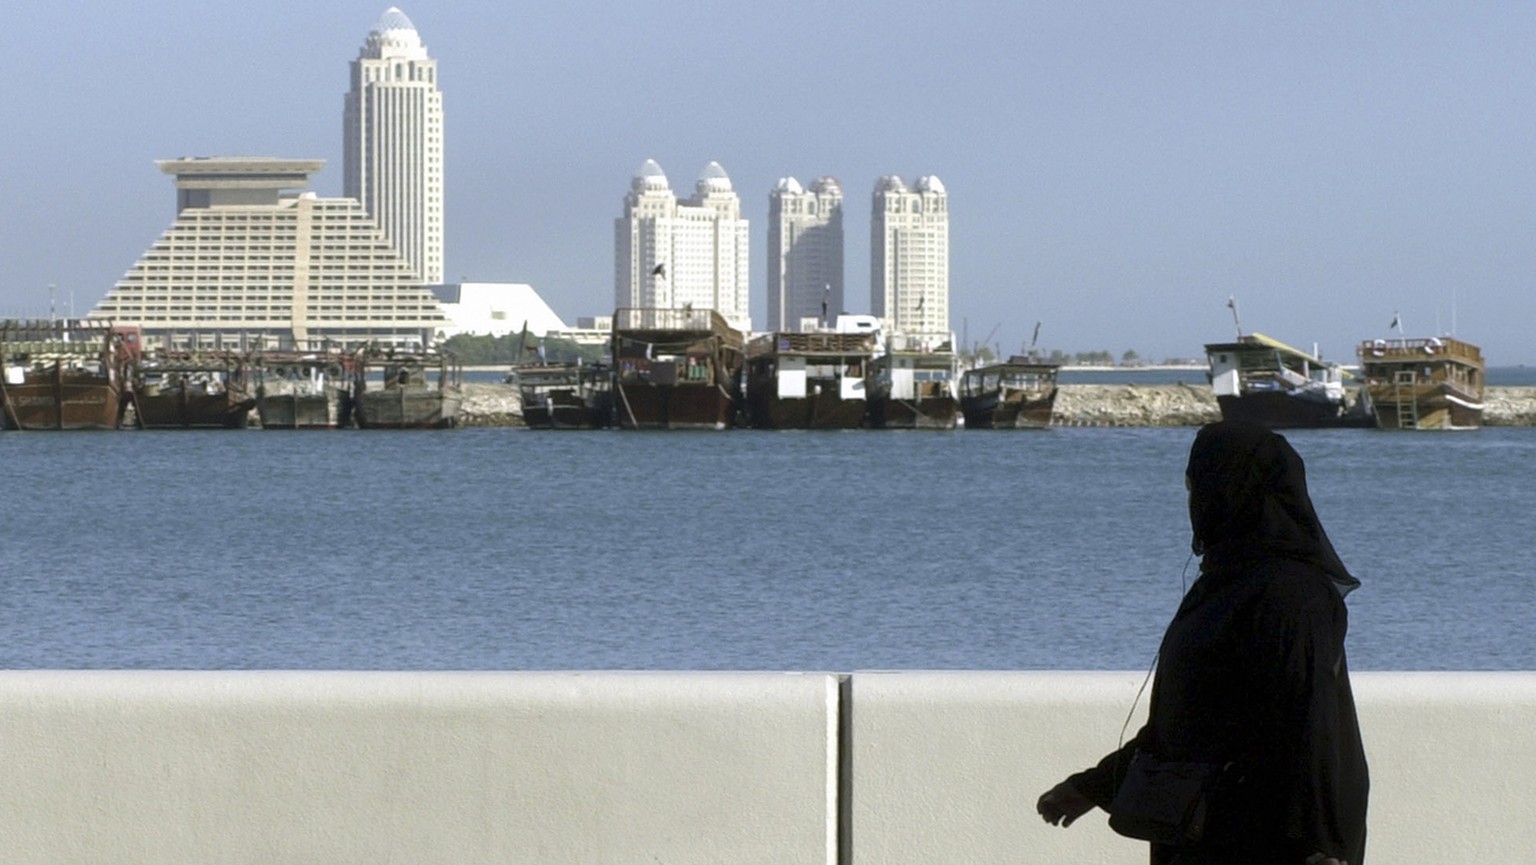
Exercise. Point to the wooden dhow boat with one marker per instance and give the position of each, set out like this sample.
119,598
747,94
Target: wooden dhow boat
558,394
808,380
1434,383
676,369
564,395
415,389
65,374
193,390
914,387
309,390
1265,381
1017,394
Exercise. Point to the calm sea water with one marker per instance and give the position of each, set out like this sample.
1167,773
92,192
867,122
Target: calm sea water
511,549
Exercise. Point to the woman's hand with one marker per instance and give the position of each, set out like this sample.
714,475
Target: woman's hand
1062,804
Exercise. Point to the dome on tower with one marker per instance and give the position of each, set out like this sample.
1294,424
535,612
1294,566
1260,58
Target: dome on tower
930,183
789,185
890,183
394,36
650,177
826,186
713,179
392,20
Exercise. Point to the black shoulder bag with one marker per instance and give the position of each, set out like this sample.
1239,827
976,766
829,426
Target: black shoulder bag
1164,801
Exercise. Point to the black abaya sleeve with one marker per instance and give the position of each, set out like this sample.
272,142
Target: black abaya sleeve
1099,783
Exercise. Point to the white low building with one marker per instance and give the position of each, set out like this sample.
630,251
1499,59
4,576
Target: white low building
495,309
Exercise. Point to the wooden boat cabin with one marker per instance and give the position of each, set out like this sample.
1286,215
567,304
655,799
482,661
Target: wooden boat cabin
1434,383
808,380
913,386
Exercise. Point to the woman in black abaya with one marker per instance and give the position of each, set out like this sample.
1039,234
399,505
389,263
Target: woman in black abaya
1251,671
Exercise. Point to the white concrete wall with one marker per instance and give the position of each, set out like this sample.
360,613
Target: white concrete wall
946,766
424,768
419,768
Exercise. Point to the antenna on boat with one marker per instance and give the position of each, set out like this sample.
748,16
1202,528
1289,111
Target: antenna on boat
1034,339
983,344
1232,305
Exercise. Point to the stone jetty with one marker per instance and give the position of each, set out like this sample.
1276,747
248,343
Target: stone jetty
1135,405
1145,405
489,404
1509,406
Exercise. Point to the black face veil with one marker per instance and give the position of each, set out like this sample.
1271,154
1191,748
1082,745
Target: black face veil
1248,498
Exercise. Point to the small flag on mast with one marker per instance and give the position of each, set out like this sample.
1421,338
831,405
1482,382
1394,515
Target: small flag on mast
1397,322
660,270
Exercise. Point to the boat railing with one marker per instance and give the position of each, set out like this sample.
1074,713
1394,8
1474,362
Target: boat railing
51,341
838,344
666,319
1429,348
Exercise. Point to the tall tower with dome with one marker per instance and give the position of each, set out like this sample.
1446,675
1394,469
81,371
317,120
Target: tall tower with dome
676,254
909,256
393,142
805,253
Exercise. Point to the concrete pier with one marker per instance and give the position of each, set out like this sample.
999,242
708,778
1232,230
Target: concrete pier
172,767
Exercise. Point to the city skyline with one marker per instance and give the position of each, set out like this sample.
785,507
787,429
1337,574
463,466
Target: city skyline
1124,170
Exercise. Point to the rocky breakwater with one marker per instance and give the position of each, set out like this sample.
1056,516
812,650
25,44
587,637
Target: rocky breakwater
1509,406
1191,405
1135,405
490,404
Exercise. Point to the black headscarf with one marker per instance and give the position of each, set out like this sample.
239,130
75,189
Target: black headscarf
1248,500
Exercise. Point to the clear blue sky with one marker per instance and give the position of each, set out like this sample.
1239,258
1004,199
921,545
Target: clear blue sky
1115,169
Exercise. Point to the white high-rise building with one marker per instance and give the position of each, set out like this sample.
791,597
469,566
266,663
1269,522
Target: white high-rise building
252,262
909,256
393,141
805,253
682,254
